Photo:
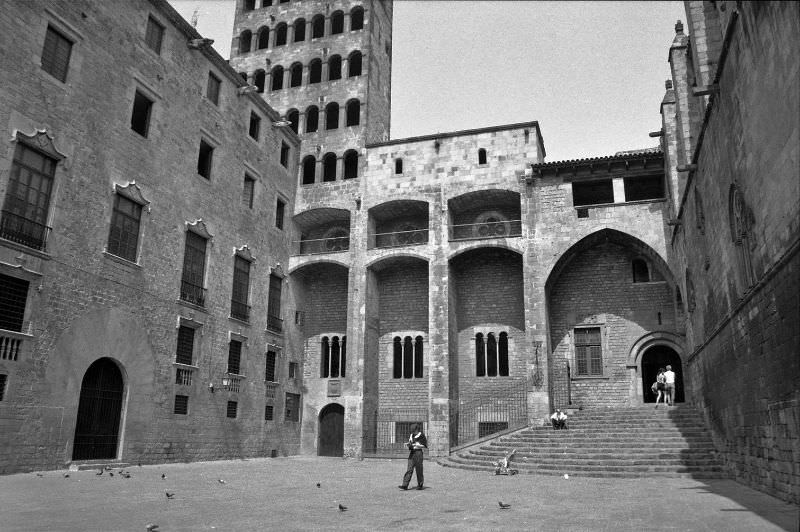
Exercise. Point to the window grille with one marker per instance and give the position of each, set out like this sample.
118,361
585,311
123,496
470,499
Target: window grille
268,411
588,352
181,404
154,35
13,299
232,384
334,357
241,288
140,115
269,370
185,350
123,238
234,356
248,191
270,390
212,89
292,407
491,355
485,428
183,376
408,355
232,409
56,53
27,200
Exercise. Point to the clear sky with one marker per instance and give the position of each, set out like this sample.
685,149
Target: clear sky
591,73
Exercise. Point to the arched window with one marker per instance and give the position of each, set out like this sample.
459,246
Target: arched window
418,357
337,22
491,355
503,355
357,18
263,38
350,164
332,115
397,359
641,274
300,30
245,40
480,356
329,167
354,64
335,356
277,78
309,168
312,119
259,79
407,358
315,71
481,156
398,166
318,27
325,363
334,67
296,78
353,113
293,116
281,31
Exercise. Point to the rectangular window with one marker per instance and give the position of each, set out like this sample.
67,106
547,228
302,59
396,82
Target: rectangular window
231,411
194,265
185,350
280,207
234,356
268,413
274,321
292,407
269,372
204,159
292,370
285,154
13,298
154,35
592,192
588,352
212,89
27,201
123,238
55,54
181,404
644,188
255,125
140,117
3,382
249,191
241,288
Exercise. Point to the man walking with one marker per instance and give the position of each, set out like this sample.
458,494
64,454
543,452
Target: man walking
669,377
416,443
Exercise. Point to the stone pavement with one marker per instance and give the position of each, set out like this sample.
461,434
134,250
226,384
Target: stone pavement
282,494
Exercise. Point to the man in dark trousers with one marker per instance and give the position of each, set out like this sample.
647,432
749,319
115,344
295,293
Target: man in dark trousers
416,442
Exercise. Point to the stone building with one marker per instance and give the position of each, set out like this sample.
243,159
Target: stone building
456,279
144,239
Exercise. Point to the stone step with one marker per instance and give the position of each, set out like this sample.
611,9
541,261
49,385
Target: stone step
115,465
582,466
708,460
597,444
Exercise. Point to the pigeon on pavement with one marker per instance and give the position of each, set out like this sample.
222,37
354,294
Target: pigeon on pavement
99,473
163,476
169,495
342,508
503,506
151,527
318,484
221,481
66,475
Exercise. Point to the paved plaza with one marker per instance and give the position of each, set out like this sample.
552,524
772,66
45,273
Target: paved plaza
282,494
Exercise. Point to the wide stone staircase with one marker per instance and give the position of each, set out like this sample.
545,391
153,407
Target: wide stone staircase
625,442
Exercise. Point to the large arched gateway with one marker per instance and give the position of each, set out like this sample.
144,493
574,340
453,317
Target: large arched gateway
99,412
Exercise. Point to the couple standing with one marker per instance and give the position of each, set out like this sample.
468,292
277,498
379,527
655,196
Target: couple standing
665,386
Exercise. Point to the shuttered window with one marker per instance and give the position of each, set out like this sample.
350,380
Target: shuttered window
185,345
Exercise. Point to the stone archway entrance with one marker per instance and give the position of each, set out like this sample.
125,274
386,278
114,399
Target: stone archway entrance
660,356
331,431
99,412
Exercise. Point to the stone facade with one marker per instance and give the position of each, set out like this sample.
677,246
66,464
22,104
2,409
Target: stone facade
734,246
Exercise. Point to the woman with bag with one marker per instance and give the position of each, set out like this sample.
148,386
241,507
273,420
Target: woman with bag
660,386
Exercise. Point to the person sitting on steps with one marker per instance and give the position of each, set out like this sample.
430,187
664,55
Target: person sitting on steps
559,420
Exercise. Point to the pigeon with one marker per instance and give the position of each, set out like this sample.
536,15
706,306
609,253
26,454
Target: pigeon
151,527
163,476
503,506
126,475
221,481
169,495
342,508
108,468
39,475
318,485
110,474
99,473
66,475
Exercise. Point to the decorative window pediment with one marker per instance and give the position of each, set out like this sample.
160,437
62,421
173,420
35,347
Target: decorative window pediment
132,192
244,252
42,141
199,228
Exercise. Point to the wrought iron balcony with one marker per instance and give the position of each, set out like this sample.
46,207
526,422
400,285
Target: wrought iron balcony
240,311
274,323
23,231
193,294
490,229
413,237
324,245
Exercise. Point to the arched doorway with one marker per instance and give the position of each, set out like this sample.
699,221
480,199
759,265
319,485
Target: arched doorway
99,412
660,356
331,431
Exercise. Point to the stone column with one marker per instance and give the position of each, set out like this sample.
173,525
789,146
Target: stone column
342,115
339,168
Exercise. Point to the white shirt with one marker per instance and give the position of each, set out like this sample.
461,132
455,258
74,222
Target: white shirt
669,375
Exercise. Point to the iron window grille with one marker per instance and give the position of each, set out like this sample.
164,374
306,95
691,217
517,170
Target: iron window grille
234,356
268,412
588,352
486,428
56,54
185,350
194,263
183,376
269,369
123,237
232,409
181,405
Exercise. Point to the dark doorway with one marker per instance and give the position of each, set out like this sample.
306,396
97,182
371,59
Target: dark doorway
331,431
660,356
99,412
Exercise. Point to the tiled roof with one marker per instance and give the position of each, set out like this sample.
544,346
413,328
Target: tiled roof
650,153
